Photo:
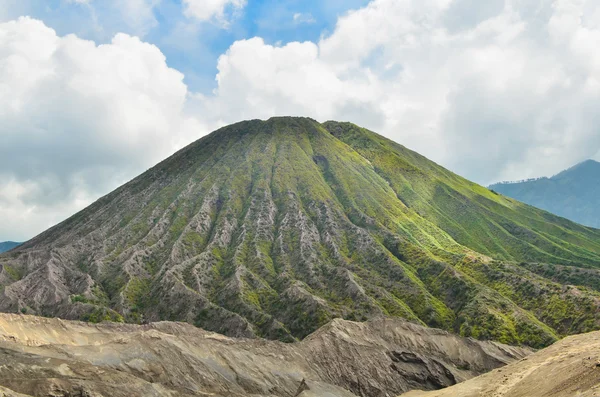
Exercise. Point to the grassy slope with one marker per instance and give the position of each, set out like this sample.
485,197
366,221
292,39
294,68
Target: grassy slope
495,225
473,215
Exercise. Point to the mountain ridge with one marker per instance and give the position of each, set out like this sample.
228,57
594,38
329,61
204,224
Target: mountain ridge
8,245
586,164
273,228
572,193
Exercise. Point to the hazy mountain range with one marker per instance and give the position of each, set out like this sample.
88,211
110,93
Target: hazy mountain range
273,228
7,245
574,193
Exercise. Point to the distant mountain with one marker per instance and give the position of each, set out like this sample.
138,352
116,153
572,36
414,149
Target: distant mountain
273,228
573,194
8,245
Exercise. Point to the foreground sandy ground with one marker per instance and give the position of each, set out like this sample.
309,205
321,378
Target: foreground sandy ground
380,358
569,368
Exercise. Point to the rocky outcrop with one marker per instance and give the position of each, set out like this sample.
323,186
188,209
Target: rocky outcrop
570,367
384,357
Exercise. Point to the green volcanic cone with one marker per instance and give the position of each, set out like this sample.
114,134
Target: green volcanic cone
272,228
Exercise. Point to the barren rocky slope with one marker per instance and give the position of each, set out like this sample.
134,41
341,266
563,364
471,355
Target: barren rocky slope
570,367
52,357
273,228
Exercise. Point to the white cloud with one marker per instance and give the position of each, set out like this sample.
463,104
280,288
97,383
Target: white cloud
300,18
505,89
493,90
77,119
134,16
218,10
138,14
260,80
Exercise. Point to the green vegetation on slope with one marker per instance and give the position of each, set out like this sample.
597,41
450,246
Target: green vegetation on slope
272,228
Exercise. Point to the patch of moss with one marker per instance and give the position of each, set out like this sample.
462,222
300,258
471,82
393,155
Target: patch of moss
14,273
100,314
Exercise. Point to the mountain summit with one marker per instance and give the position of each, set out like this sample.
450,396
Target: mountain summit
272,228
573,193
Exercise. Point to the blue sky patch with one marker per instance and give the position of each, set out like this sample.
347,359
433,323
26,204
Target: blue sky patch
191,46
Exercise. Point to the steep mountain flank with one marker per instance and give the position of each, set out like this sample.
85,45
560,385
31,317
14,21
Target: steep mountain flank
43,357
273,228
574,193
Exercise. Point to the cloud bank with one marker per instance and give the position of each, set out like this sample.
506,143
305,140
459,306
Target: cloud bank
493,90
77,119
217,10
502,89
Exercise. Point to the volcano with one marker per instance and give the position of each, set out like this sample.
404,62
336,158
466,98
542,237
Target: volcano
273,228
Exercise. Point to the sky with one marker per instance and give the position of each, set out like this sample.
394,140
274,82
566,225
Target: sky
94,92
